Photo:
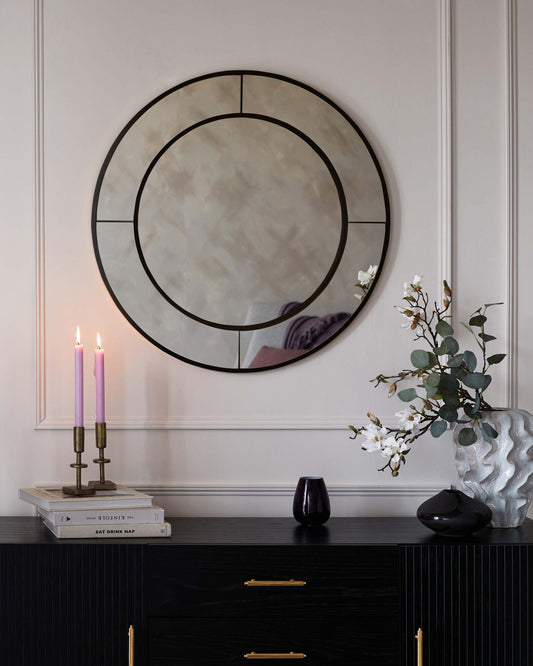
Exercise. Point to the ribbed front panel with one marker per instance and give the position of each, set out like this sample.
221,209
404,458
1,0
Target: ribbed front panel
471,602
68,604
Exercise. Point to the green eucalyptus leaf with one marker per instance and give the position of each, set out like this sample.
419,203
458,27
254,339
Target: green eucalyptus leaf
437,428
433,379
444,329
496,358
431,391
455,361
448,414
407,394
470,411
467,436
486,437
476,380
420,358
478,320
451,400
432,360
451,345
486,337
470,360
448,383
489,430
458,373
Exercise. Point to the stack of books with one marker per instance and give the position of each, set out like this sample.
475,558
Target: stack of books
123,512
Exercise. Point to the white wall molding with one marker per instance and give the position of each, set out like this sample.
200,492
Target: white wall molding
445,146
511,132
271,490
222,423
44,421
40,314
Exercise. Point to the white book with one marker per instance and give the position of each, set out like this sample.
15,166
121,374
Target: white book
109,531
105,517
53,499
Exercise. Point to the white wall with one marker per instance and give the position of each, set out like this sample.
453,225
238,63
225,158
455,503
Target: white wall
218,443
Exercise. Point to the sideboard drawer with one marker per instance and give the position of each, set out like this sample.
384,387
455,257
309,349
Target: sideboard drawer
206,642
208,582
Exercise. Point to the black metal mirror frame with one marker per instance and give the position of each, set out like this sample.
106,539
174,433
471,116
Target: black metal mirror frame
342,203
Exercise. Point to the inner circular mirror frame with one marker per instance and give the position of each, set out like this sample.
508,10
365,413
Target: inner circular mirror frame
279,332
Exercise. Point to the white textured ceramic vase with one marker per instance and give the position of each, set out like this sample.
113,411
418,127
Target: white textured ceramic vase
500,474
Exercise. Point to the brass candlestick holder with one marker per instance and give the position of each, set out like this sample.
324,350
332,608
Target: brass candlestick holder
79,447
101,443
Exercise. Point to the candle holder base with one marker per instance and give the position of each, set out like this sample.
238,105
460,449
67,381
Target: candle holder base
106,485
74,490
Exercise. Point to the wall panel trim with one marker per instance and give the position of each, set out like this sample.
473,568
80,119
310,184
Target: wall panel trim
511,135
445,146
44,421
210,422
336,490
276,490
40,315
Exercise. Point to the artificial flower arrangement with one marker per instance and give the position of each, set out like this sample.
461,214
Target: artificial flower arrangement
449,383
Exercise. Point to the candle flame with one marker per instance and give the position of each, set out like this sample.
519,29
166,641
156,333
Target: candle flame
98,341
77,335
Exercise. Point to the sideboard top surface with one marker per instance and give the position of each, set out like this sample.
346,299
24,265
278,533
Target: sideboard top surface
277,532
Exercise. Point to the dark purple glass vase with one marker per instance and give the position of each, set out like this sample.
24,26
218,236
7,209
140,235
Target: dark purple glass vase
454,514
311,501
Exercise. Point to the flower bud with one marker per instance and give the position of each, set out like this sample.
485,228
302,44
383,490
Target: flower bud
374,419
392,389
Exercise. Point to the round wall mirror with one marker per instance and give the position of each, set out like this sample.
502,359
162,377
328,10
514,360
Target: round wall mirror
230,218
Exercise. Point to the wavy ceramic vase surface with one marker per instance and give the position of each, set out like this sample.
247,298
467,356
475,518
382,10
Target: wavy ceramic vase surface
500,473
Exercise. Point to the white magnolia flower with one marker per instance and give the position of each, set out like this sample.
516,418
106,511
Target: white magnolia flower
409,288
408,318
366,277
409,419
393,448
374,436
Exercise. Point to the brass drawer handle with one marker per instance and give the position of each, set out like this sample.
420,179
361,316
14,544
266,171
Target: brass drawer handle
130,646
275,583
420,656
275,655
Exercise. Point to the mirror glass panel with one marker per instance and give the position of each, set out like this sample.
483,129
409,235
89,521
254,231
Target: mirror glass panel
230,218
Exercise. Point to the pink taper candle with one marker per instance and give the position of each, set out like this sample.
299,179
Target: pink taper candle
100,384
78,381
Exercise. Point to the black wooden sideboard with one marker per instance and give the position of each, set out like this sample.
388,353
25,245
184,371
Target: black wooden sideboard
225,591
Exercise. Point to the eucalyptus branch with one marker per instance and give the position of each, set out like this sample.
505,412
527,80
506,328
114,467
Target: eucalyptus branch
447,383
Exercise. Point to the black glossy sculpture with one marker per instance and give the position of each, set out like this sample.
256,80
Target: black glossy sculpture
452,513
311,501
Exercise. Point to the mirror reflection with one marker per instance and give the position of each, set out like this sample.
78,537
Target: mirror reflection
230,217
247,210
